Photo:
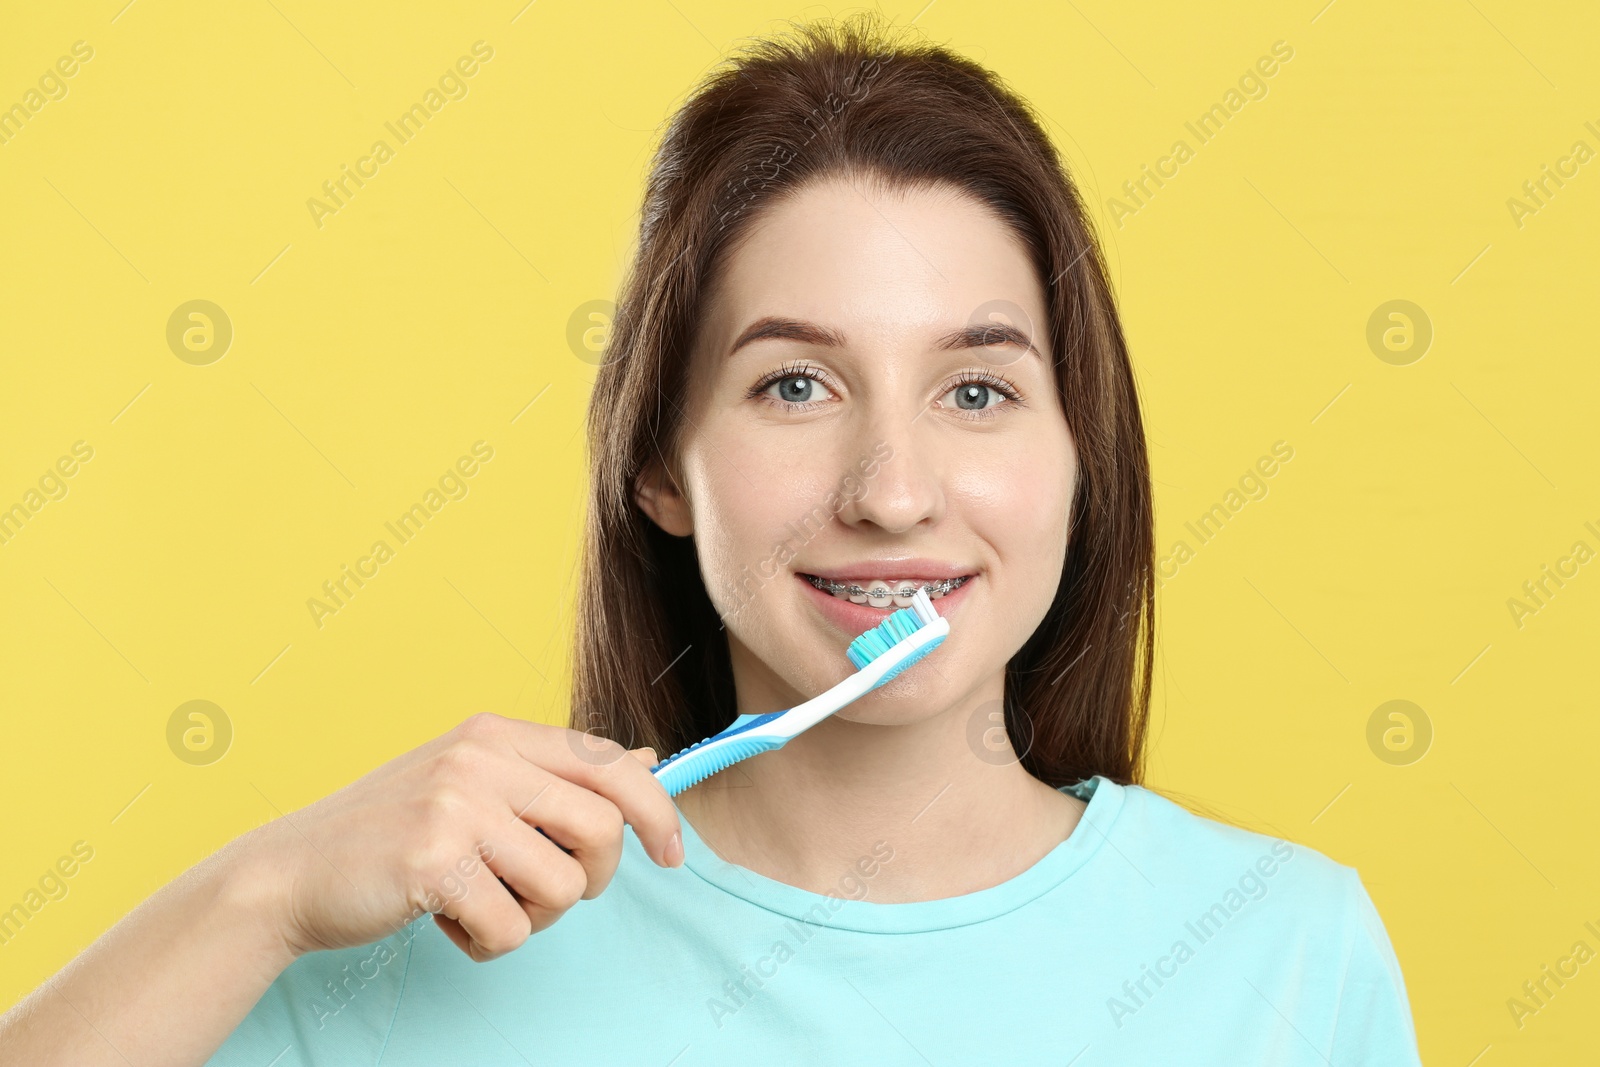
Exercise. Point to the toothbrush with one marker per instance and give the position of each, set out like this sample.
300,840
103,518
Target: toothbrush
878,655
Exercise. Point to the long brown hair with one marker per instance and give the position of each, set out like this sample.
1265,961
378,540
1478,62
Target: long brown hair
855,99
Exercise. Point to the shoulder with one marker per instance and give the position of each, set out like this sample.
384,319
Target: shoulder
1208,866
1296,923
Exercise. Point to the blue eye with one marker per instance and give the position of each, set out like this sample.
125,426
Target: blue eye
798,389
973,396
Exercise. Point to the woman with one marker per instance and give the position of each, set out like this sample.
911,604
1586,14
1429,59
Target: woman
867,345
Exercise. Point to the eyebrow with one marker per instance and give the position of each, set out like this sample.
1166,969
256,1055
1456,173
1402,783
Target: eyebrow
972,335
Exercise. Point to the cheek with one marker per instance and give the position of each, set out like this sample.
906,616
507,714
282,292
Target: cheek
1019,501
754,507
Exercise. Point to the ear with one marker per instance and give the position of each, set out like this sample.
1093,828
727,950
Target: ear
658,496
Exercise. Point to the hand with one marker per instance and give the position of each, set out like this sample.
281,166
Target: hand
454,828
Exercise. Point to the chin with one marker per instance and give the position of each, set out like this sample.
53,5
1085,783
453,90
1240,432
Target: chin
898,713
924,691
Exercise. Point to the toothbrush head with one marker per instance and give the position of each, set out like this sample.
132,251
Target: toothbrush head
878,655
903,638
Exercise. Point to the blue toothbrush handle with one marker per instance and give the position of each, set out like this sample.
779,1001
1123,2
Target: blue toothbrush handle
709,755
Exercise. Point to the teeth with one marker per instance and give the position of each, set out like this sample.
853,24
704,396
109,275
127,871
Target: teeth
886,592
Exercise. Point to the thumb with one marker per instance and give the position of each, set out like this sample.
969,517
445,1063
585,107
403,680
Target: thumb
646,755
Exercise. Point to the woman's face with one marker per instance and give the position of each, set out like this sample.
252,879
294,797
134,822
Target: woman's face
847,426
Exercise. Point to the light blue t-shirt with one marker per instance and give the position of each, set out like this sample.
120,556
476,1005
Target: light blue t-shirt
1150,936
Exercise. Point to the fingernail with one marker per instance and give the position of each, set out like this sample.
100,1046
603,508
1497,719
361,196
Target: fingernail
674,853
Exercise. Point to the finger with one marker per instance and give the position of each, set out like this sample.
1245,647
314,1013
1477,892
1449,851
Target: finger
583,824
546,881
479,913
646,756
627,783
576,821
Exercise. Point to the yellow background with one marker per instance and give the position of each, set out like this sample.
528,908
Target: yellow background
429,312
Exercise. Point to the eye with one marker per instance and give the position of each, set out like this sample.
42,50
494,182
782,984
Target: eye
798,389
795,386
978,394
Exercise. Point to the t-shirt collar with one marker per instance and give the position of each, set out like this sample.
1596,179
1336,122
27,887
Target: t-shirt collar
863,915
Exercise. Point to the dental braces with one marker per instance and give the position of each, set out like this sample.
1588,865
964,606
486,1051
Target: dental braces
939,588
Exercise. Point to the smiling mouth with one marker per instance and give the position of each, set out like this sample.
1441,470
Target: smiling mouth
887,593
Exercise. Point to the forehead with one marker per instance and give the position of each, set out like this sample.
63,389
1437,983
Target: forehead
876,264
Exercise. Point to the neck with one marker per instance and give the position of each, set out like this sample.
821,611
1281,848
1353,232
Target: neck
946,797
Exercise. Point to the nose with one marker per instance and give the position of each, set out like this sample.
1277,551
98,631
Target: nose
901,485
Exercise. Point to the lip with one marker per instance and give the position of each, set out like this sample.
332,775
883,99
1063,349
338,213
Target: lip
853,620
928,569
